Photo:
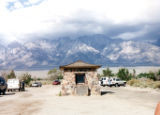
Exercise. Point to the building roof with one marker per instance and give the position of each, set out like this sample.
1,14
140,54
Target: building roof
80,64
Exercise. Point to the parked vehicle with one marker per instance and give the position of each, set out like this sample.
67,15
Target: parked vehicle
3,86
15,84
56,82
36,84
111,81
117,82
104,81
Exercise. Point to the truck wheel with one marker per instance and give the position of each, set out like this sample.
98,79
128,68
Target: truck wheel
124,84
116,85
4,92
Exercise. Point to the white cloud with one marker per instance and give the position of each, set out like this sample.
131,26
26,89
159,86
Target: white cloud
45,45
18,5
113,57
30,63
44,63
130,35
31,45
134,34
57,16
34,1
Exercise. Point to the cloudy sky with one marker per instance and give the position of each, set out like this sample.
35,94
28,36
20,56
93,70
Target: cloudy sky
125,19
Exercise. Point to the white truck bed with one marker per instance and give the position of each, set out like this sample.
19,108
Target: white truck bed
13,84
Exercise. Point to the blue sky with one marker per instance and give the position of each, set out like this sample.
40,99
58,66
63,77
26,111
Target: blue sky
13,5
124,19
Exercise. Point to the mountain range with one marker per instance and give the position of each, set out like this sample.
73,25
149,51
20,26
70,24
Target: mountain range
96,49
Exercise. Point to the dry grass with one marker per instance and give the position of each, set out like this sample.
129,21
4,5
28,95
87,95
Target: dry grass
144,83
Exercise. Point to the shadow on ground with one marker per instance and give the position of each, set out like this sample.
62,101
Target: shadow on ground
7,94
106,92
10,93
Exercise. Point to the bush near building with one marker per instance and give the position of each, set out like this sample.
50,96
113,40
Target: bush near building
150,75
144,80
144,83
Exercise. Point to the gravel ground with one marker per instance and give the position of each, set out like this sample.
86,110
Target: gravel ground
114,101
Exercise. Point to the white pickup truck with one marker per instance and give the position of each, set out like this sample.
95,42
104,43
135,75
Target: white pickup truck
111,81
13,84
117,82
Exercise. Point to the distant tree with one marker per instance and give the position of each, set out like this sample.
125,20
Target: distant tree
52,71
140,75
107,72
124,74
158,75
27,78
55,74
134,73
11,75
150,75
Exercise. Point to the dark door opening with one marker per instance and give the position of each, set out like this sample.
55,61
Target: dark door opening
80,78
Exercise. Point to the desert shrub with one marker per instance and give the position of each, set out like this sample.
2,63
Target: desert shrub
27,78
144,83
60,76
152,76
60,94
55,74
149,75
39,79
36,79
157,85
144,75
124,74
46,82
133,82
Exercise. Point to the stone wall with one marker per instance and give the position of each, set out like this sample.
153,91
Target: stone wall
69,86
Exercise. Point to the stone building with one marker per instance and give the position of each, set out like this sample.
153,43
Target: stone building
80,78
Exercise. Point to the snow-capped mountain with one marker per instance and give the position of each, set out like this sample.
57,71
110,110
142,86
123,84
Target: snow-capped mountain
98,49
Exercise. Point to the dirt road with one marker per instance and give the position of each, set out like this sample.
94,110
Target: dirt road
114,101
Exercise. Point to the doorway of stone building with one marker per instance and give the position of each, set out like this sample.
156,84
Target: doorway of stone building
80,78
